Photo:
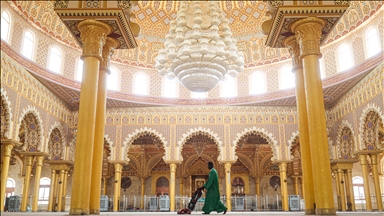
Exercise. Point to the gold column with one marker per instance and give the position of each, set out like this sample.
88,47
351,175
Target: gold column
56,191
349,188
28,169
257,181
228,186
93,35
64,189
6,150
337,181
51,200
305,148
342,189
60,195
105,179
364,167
308,32
375,175
142,193
302,188
172,187
284,185
116,188
39,165
97,161
181,181
295,185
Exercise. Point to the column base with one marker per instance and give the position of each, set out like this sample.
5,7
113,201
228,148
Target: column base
326,211
78,211
94,211
310,212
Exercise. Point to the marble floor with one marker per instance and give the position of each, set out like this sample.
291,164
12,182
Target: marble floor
300,213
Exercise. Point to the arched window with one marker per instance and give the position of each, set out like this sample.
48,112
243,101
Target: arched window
345,57
28,45
170,87
141,84
79,70
358,188
10,187
198,95
287,78
45,184
113,80
55,60
257,83
228,87
372,42
5,25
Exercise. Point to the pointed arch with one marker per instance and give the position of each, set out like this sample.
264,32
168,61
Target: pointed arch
194,158
6,115
110,144
293,137
39,127
204,131
137,133
151,163
339,137
263,133
370,107
247,162
63,140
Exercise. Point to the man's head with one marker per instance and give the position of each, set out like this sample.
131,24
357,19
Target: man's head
210,165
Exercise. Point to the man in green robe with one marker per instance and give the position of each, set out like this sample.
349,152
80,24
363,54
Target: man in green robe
212,198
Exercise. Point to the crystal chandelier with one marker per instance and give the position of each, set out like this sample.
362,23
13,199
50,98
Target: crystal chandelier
199,48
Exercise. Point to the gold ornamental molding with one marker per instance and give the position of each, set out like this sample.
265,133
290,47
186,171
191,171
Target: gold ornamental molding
114,17
60,165
343,164
286,15
369,152
12,142
33,153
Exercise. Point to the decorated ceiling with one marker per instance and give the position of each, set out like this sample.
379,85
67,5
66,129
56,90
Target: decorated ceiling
153,18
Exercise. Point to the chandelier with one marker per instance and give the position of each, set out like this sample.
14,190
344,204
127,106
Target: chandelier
199,48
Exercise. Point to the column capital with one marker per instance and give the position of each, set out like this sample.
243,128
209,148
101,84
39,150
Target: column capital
7,142
374,159
121,162
93,35
109,47
294,49
308,32
39,160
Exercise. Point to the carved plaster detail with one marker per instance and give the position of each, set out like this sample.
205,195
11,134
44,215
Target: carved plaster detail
290,141
131,137
205,131
108,50
369,108
308,33
8,113
294,50
343,124
93,36
35,112
63,137
268,136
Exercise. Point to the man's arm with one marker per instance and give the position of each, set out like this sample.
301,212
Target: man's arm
211,178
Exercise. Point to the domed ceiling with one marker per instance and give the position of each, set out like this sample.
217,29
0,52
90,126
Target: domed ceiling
153,18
